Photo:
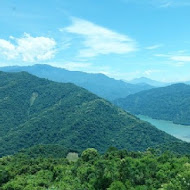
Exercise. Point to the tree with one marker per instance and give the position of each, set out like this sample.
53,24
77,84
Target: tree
89,154
117,185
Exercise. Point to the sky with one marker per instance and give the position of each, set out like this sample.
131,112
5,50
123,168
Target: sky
123,39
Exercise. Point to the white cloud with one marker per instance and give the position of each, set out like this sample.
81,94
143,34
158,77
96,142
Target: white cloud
150,71
28,48
7,49
160,55
180,58
73,66
86,67
100,40
156,46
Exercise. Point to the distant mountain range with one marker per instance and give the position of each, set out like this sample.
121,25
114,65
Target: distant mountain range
99,84
144,80
166,103
37,111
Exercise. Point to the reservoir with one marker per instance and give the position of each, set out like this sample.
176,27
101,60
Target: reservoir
179,131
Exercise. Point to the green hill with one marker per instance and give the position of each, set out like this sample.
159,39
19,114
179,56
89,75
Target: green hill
37,111
166,103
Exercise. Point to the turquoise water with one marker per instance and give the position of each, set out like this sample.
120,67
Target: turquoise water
179,131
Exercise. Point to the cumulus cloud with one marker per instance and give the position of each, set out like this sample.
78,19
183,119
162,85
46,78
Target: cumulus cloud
99,40
28,48
7,49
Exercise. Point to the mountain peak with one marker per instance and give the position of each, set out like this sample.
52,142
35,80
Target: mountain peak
147,81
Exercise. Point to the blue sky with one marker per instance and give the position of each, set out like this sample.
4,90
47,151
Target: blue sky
123,39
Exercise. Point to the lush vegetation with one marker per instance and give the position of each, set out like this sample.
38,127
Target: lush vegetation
114,170
99,84
46,151
46,125
166,103
37,111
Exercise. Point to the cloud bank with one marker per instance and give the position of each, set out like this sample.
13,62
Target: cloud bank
28,48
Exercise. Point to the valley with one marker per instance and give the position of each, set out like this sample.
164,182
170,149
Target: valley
95,95
170,103
179,131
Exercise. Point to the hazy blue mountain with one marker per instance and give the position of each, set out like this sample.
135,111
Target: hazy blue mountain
37,111
99,84
167,103
144,80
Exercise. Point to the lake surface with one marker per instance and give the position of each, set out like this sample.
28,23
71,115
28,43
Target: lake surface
179,131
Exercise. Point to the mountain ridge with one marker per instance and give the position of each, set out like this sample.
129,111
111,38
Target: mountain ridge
148,81
167,103
67,115
98,84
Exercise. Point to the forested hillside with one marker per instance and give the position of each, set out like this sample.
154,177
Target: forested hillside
166,103
114,170
38,111
99,84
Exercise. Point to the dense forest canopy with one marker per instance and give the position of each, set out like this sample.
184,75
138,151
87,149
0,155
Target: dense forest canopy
38,111
113,170
56,136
